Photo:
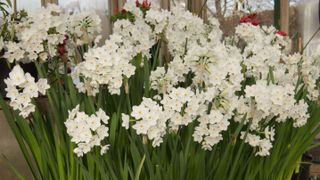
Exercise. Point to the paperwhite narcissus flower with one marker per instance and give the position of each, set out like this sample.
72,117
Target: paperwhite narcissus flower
274,100
264,144
125,121
217,70
87,131
14,52
209,80
41,33
150,120
84,27
158,18
22,88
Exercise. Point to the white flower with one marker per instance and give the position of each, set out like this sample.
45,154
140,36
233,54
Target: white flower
103,116
125,121
102,132
104,149
131,7
43,85
103,67
158,18
276,100
17,76
151,120
87,131
183,30
208,132
14,52
22,88
43,30
84,26
264,144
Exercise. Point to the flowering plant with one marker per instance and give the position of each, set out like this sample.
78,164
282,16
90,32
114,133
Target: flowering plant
213,110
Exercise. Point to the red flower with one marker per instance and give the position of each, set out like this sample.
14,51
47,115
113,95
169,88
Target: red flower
251,18
244,19
62,46
255,22
62,49
123,11
144,4
281,33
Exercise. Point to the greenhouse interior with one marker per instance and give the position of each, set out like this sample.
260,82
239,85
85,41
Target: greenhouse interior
160,89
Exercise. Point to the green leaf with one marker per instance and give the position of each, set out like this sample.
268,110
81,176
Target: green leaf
16,172
138,172
19,137
113,130
9,3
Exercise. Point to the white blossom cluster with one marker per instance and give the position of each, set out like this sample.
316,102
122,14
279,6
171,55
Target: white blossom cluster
22,88
183,31
83,27
276,101
262,69
180,105
111,63
164,80
208,132
278,78
263,144
150,120
262,43
103,66
87,131
209,82
158,18
40,33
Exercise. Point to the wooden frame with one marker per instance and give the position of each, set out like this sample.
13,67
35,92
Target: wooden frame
284,15
45,2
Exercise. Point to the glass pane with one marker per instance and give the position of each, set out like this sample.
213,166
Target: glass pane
309,20
84,5
229,7
28,4
99,6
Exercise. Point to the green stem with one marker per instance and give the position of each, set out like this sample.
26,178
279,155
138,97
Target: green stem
314,34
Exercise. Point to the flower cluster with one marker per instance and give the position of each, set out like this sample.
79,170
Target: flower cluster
103,66
263,144
277,79
22,88
183,30
111,63
83,27
40,34
163,80
251,18
206,80
157,18
87,131
276,101
220,71
180,105
208,132
150,119
144,5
